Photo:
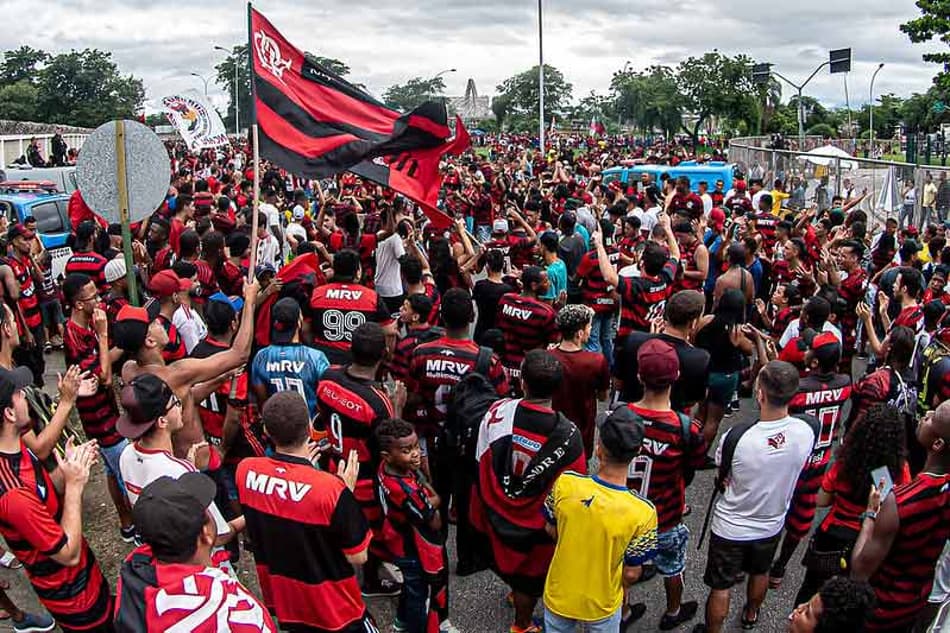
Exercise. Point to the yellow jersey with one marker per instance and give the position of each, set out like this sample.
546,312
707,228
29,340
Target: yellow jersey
600,528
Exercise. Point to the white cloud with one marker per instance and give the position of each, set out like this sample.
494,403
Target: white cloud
388,41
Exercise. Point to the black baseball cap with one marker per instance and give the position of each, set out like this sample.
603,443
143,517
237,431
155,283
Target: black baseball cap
144,399
285,316
11,381
170,513
621,433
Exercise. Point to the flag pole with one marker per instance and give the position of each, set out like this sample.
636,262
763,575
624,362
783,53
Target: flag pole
540,80
252,261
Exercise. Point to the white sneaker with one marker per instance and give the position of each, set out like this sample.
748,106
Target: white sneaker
10,561
448,627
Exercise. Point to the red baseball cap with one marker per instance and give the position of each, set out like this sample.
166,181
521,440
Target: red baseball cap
658,364
740,185
717,217
166,283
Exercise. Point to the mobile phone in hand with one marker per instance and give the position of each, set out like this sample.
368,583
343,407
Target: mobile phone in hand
879,474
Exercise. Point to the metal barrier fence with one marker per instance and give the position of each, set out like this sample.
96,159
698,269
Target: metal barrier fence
13,146
894,189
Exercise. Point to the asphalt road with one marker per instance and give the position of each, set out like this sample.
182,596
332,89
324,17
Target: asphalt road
477,603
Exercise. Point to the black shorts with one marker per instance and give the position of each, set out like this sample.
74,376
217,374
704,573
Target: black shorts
726,559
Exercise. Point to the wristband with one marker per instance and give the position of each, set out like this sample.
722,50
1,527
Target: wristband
868,514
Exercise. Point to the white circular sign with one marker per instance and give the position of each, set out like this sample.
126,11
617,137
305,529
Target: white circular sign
147,171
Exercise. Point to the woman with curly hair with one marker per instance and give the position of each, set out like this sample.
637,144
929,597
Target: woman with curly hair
877,440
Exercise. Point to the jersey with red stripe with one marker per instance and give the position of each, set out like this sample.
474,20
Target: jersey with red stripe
434,369
432,292
903,581
28,301
340,308
415,336
739,203
365,245
230,278
688,264
76,596
658,473
912,317
522,251
207,282
766,225
688,204
823,397
304,522
527,324
165,258
99,412
88,263
596,293
853,290
213,409
348,410
643,299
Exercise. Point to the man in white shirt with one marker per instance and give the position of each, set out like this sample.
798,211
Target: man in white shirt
152,414
748,517
388,278
269,208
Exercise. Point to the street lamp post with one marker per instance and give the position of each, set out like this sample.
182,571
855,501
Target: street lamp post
237,107
540,78
202,78
871,111
439,74
620,109
801,107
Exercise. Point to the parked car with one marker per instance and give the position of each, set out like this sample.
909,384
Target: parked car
19,199
710,172
63,177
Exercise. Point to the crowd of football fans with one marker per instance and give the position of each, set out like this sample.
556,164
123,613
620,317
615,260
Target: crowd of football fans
546,367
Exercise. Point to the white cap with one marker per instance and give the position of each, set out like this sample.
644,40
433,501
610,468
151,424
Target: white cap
499,226
115,269
299,212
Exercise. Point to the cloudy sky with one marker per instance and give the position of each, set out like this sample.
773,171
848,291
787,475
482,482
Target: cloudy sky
389,41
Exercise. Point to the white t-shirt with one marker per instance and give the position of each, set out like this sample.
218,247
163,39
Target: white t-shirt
268,251
141,466
707,204
388,279
190,325
793,330
271,213
765,468
648,218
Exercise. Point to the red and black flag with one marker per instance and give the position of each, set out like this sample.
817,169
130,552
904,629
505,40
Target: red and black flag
315,124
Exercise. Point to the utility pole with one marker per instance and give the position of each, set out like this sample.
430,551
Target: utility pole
541,77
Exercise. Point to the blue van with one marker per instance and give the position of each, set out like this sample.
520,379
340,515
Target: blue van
710,172
51,210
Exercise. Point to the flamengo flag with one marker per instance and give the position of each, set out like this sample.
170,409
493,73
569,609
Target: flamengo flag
415,173
198,123
315,124
596,127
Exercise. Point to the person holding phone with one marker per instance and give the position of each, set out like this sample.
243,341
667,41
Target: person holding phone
903,534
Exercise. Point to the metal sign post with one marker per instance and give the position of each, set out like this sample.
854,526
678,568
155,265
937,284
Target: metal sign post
123,191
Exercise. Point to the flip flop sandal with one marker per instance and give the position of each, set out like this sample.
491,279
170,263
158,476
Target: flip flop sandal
747,623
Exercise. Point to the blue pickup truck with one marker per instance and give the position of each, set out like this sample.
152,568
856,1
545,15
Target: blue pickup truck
710,172
20,199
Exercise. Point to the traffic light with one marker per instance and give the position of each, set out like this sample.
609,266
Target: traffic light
840,60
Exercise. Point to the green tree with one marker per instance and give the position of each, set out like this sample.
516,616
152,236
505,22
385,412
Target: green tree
413,93
934,21
499,106
887,117
18,101
523,96
21,64
332,64
225,78
715,84
769,100
649,99
85,88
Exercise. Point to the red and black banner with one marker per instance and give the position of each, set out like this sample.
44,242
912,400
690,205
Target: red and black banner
315,124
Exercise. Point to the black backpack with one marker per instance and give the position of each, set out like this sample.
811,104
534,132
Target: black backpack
468,404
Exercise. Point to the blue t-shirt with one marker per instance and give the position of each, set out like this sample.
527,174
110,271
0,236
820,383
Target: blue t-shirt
557,274
713,244
290,367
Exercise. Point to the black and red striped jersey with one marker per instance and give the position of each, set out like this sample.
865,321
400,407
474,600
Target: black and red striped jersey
434,369
739,203
28,301
207,282
213,409
595,291
304,522
415,336
643,299
527,324
823,397
409,511
688,264
230,278
97,413
165,258
78,596
348,411
911,317
658,473
89,263
338,309
853,289
903,581
688,204
766,225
